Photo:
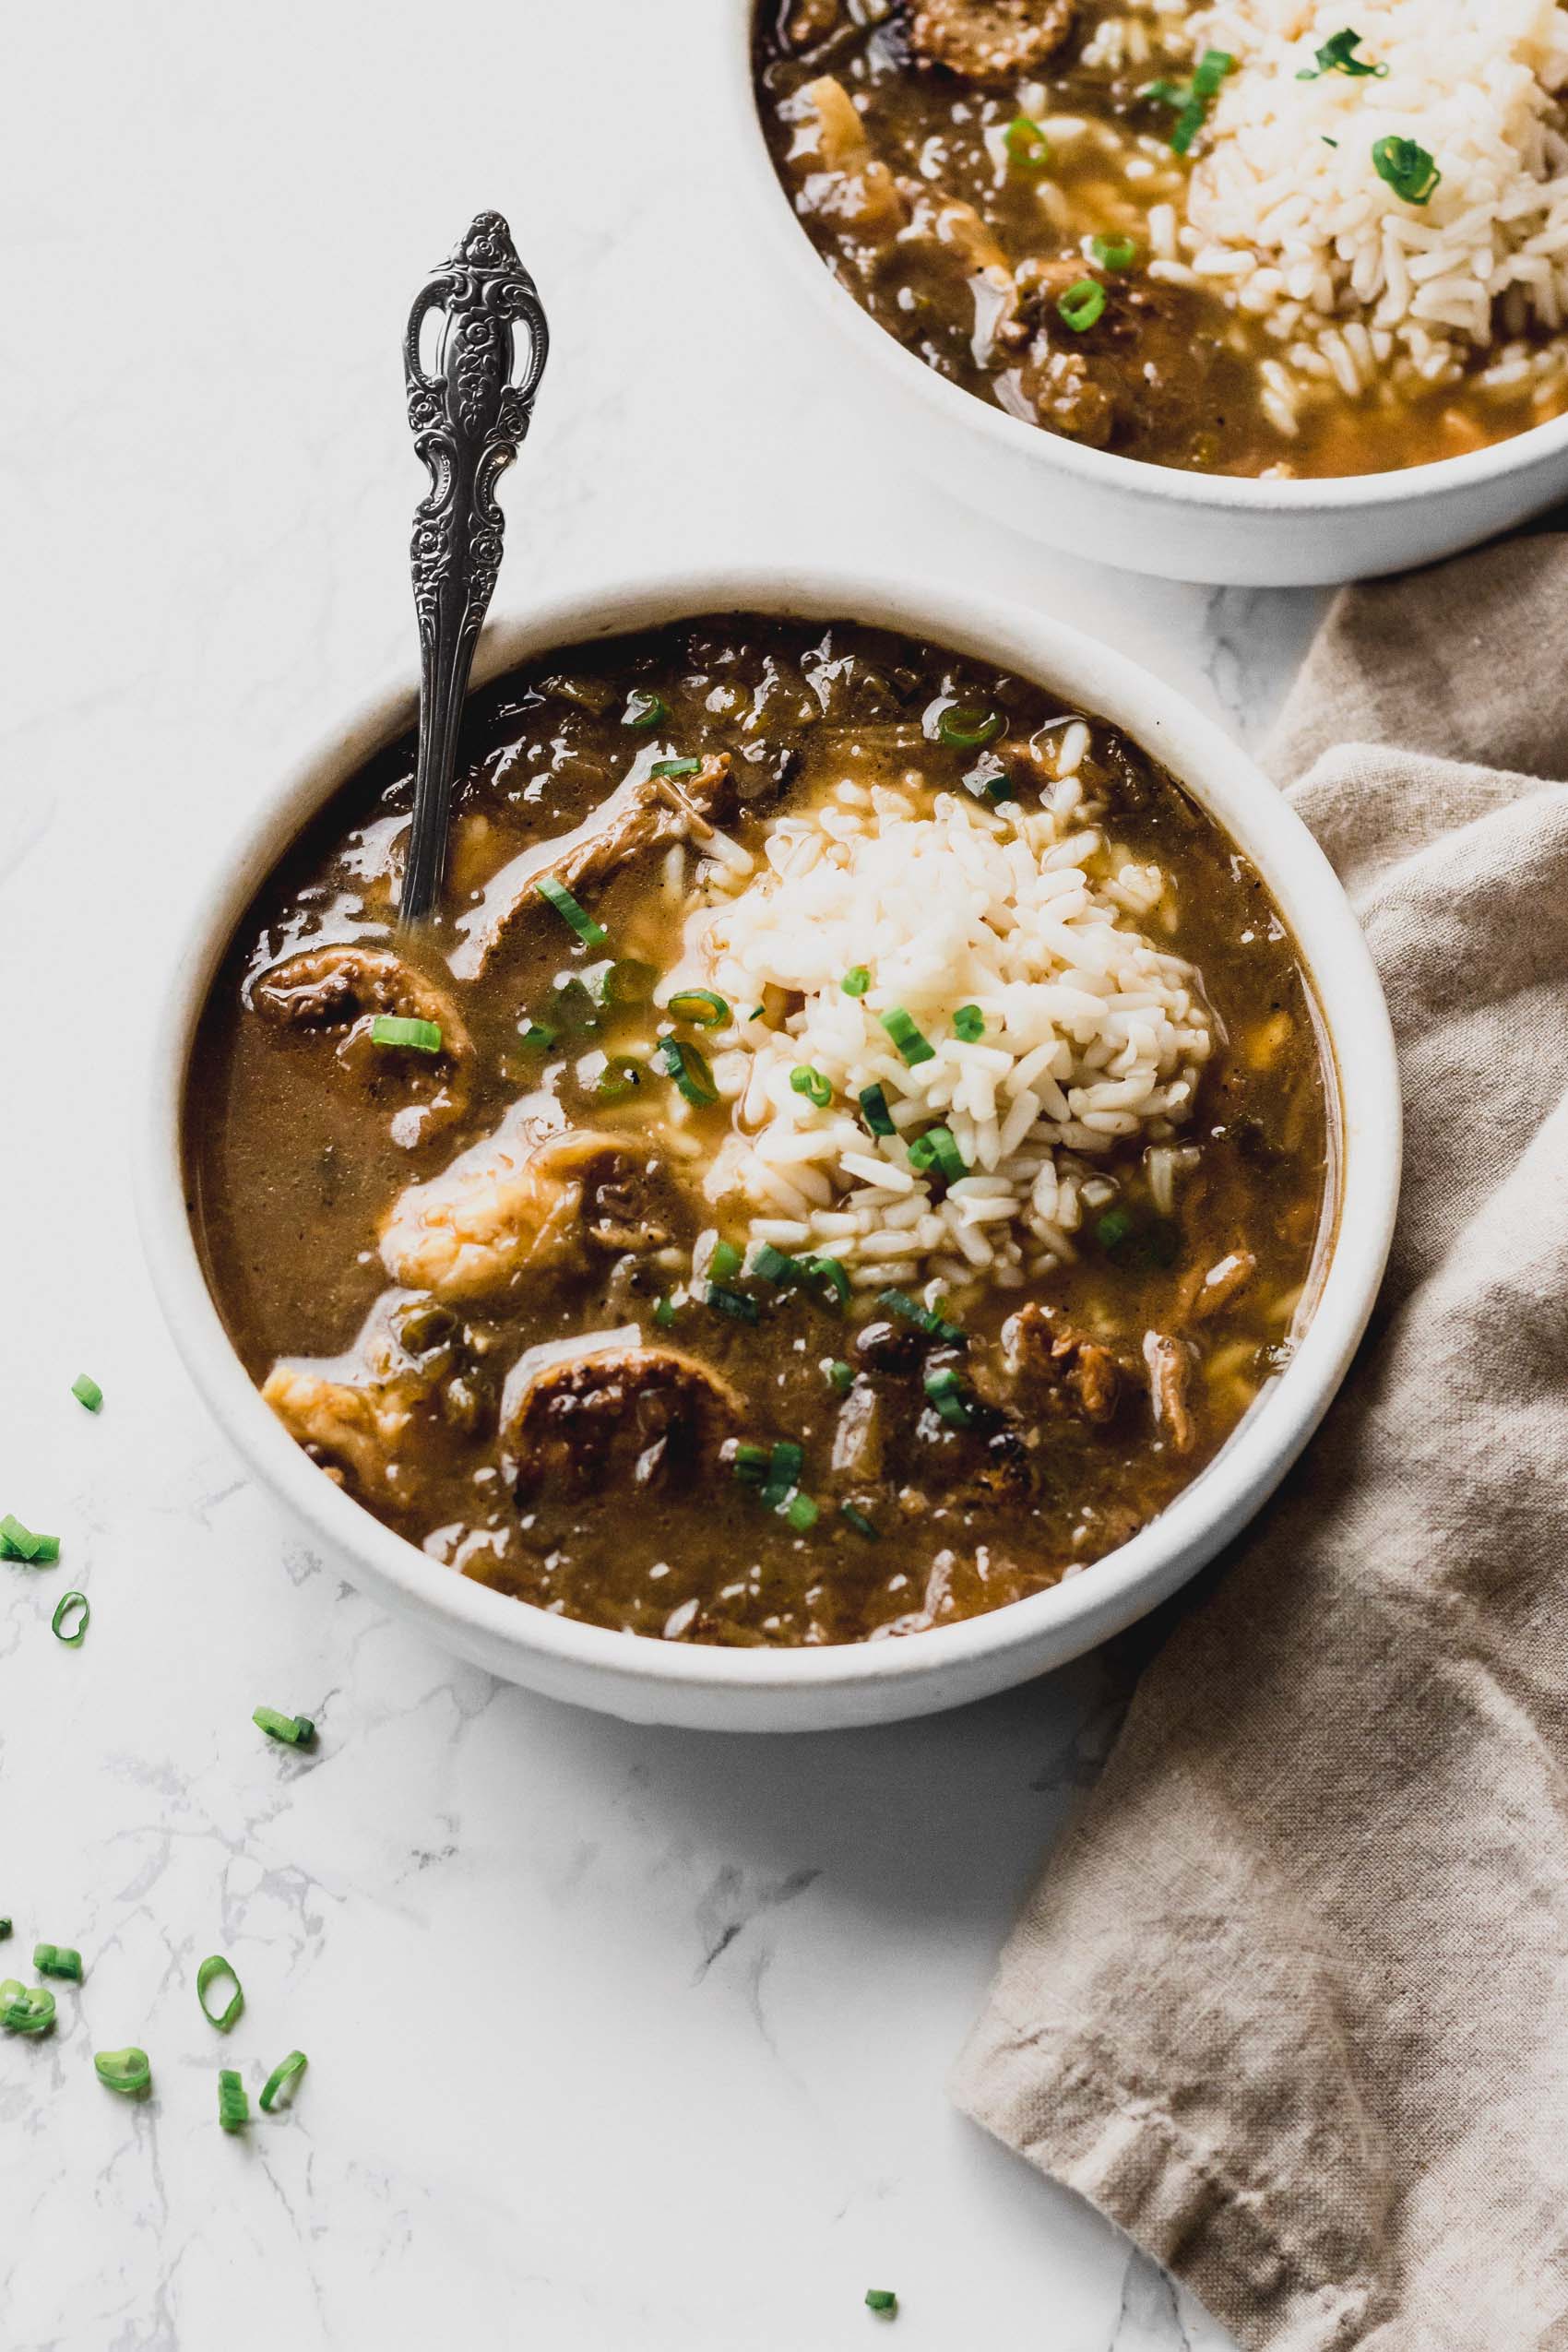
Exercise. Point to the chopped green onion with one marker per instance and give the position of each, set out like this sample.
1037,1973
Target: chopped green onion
906,1037
4,1929
77,1607
1112,1229
1026,143
856,980
293,1730
26,2009
859,1521
899,1302
936,1148
234,2107
839,1375
801,1512
210,1970
1192,99
1083,302
620,1075
125,2071
58,1960
87,1392
829,1270
643,709
281,2075
18,1542
724,1260
689,1069
1114,252
945,1391
969,725
734,1304
555,893
756,1012
1167,93
968,1022
629,981
880,2298
674,768
1213,66
392,1028
773,1265
1408,169
786,1463
538,1036
751,1463
699,1005
813,1084
1337,56
874,1111
664,1313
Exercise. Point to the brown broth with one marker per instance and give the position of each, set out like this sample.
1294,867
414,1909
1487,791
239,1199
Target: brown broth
300,1139
1169,373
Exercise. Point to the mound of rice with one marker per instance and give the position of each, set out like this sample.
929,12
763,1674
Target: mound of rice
1288,218
1094,1034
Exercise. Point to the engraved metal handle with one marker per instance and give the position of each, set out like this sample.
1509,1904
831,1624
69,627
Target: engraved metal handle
468,419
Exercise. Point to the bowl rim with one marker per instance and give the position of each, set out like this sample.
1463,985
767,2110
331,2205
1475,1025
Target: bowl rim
1169,486
1066,1618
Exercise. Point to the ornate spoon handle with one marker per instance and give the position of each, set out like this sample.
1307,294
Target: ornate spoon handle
467,419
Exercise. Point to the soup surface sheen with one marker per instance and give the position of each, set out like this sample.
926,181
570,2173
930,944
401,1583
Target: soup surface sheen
889,1206
1262,272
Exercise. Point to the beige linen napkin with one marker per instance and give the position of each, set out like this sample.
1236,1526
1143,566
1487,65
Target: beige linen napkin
1291,2001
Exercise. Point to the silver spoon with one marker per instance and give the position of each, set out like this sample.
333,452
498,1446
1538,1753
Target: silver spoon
467,419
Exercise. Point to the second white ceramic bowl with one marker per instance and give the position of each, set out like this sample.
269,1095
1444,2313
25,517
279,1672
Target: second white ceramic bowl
1149,518
757,1689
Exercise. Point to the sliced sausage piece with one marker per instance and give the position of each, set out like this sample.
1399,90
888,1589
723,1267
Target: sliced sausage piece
649,814
990,40
513,1204
1073,1372
340,991
1170,1368
624,1418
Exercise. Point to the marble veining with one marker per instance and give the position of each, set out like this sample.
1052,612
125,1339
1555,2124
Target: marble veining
617,2038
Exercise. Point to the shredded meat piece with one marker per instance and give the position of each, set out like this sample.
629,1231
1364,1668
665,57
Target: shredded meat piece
1170,1368
1075,1373
512,1207
1139,365
836,171
638,816
1210,1293
990,40
632,1417
859,1436
341,991
809,21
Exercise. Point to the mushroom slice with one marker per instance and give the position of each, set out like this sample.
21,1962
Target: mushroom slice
509,1206
990,40
341,991
604,1413
645,812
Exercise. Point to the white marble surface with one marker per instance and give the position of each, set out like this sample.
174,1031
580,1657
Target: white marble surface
617,2038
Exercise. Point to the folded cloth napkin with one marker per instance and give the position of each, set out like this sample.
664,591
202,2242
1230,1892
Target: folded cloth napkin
1291,2002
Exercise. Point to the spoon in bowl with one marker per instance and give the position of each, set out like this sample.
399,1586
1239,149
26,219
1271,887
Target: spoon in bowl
468,419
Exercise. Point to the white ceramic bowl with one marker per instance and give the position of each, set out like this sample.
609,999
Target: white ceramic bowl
815,1689
1119,510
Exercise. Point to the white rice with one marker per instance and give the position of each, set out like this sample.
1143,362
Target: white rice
1288,218
1093,1040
